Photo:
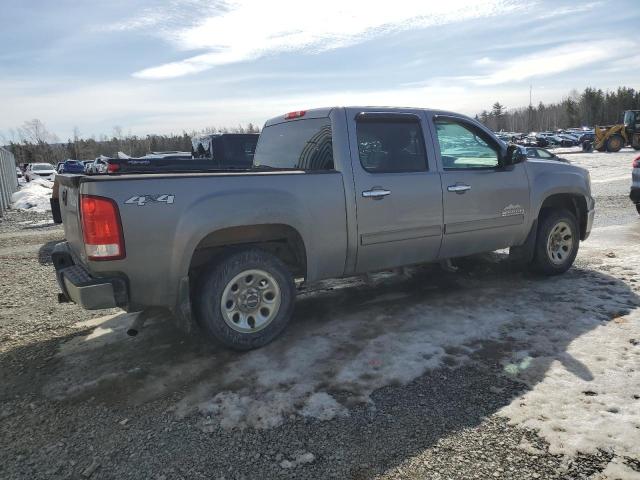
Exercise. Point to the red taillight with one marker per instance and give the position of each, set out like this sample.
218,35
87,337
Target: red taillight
636,163
113,168
101,228
296,114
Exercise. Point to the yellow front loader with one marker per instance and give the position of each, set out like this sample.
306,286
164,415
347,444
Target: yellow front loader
612,138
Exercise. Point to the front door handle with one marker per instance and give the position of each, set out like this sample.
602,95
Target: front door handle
377,193
459,188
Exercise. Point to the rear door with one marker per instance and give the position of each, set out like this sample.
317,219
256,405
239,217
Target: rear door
485,203
398,190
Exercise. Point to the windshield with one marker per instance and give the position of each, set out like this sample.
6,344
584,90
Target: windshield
629,118
41,166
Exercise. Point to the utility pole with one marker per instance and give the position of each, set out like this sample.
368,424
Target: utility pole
530,108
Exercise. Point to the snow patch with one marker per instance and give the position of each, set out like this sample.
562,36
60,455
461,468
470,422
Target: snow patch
34,196
588,398
323,406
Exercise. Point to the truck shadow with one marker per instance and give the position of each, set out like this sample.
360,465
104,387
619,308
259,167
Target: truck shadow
434,351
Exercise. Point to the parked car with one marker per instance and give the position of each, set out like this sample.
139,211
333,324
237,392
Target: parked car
71,166
40,170
587,136
87,165
635,184
99,165
554,140
541,153
19,175
568,140
333,192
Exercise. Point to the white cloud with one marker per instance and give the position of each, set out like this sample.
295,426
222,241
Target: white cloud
553,61
250,29
166,17
483,61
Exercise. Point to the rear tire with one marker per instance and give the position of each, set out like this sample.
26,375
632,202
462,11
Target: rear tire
557,242
245,300
615,143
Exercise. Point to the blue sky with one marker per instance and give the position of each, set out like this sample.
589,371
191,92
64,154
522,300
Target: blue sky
167,66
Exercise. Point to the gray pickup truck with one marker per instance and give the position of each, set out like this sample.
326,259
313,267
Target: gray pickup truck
333,192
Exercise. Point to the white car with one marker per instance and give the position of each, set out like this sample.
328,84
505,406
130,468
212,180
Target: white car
40,170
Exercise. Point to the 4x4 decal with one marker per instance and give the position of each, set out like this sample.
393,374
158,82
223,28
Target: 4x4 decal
142,200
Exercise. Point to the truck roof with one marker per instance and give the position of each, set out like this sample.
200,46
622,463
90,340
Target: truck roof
325,111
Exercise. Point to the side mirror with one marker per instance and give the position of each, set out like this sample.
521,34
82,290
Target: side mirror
514,155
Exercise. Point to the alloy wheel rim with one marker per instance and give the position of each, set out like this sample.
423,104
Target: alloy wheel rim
560,243
250,301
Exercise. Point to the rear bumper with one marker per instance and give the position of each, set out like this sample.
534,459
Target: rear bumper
634,195
79,286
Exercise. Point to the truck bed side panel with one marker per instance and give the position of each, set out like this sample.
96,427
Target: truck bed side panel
160,237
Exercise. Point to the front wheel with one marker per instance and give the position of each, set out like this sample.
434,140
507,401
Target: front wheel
556,242
615,143
246,300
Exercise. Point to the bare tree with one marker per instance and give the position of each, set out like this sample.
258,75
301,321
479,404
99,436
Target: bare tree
117,132
34,131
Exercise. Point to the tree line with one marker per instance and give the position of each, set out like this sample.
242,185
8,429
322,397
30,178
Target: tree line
589,108
33,142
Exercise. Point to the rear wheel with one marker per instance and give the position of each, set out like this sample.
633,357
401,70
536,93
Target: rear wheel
556,242
246,300
615,143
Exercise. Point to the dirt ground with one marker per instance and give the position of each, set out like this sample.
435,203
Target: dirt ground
489,372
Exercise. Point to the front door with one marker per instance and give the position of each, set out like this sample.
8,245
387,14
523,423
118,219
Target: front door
485,203
398,190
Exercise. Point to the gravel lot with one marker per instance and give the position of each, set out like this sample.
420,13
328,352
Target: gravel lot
79,399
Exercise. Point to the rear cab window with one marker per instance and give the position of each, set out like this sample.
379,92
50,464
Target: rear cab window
304,144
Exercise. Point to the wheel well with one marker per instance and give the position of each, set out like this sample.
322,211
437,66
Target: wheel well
576,204
280,240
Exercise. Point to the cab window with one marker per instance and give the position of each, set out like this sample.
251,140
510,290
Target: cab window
391,145
463,147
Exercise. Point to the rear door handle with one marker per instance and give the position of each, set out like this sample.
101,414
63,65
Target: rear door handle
459,188
377,193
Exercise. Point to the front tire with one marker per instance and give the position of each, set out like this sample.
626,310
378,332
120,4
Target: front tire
557,242
615,143
245,300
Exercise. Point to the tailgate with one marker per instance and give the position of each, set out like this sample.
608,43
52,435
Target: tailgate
68,195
